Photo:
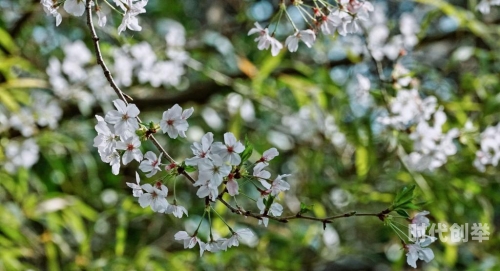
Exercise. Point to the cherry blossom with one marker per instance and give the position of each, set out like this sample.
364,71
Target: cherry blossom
229,151
151,164
113,159
201,150
124,119
306,36
232,186
132,8
131,146
275,209
136,187
279,185
174,121
176,210
102,19
420,251
236,237
489,152
330,23
155,196
262,175
265,40
188,240
23,154
106,139
212,245
50,7
75,7
485,5
268,155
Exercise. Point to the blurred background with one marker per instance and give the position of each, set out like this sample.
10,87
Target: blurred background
61,208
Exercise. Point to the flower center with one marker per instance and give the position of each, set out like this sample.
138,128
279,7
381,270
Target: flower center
130,147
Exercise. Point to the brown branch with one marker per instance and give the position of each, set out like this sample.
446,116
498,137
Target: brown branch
382,215
100,60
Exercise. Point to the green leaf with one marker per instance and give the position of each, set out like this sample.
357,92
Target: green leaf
402,213
245,155
403,197
189,168
304,208
7,42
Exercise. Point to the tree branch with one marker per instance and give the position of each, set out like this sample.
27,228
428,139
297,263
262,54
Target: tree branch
181,170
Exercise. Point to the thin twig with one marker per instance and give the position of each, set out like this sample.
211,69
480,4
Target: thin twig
100,60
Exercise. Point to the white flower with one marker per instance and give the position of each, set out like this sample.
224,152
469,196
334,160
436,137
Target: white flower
419,251
75,7
275,210
21,155
136,187
263,175
113,159
106,138
489,153
189,241
176,210
201,150
174,121
330,23
265,40
307,36
124,119
132,9
214,170
236,237
131,146
212,246
154,197
152,164
268,156
23,121
418,224
101,17
420,218
207,188
123,67
232,186
50,7
484,5
47,111
229,150
279,185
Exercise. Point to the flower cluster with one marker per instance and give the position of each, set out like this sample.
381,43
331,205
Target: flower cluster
419,249
119,132
408,109
44,112
489,152
118,141
485,5
148,66
130,8
344,18
190,241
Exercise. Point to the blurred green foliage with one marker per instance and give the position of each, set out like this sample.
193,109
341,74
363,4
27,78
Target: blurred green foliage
69,212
